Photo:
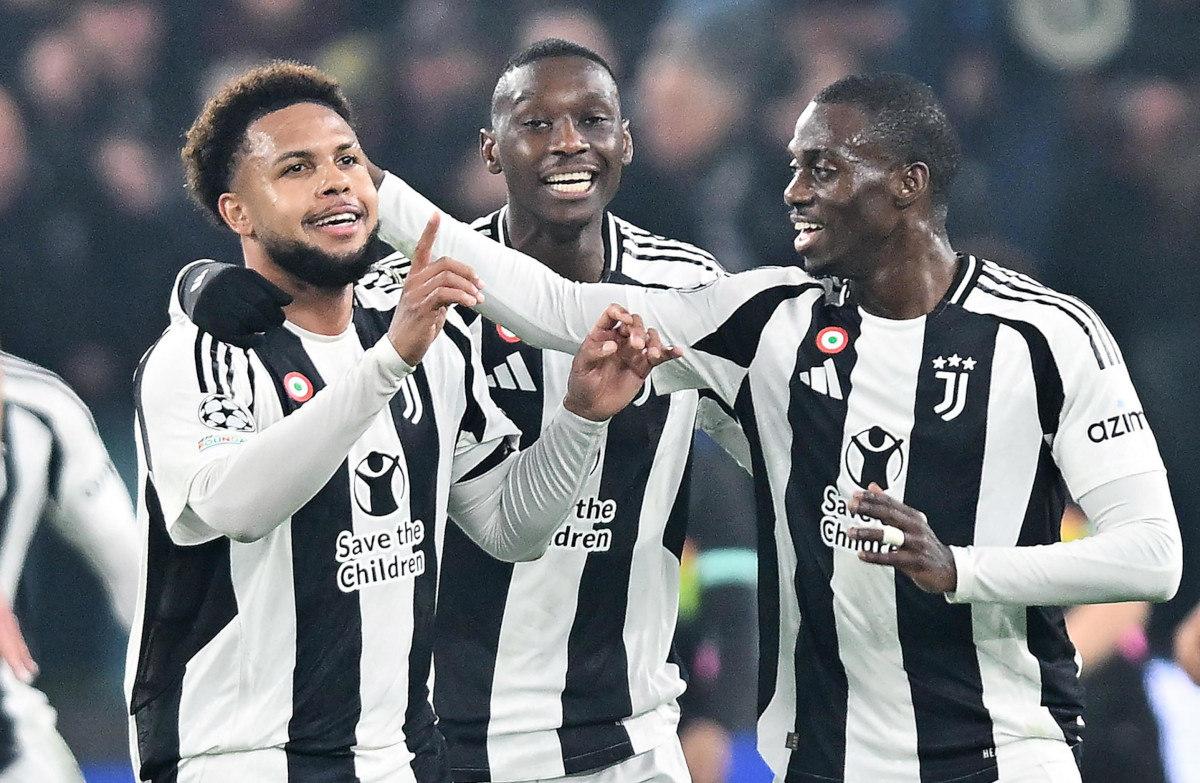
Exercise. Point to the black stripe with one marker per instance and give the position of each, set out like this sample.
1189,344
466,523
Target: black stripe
421,449
249,377
498,455
466,645
1046,632
228,370
10,472
954,728
198,355
614,249
326,703
215,363
54,463
737,338
1062,694
819,420
596,694
189,600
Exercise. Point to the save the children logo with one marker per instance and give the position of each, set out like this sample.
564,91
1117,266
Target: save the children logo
379,484
379,557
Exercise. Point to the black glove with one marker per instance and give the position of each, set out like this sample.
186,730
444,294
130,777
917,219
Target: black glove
234,304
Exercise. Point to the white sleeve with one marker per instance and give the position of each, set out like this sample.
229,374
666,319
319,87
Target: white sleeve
724,430
94,512
512,510
549,311
1135,554
209,491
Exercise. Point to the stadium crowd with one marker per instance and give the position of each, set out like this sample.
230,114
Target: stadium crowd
1080,130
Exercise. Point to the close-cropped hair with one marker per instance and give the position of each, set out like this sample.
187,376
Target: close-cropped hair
543,50
905,118
217,138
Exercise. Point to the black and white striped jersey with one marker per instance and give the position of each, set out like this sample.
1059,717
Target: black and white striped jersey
57,469
310,647
977,414
564,664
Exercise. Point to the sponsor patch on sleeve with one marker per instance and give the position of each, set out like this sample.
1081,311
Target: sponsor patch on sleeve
227,439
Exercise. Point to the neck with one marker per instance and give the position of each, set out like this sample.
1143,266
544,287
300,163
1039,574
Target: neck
573,250
318,310
908,279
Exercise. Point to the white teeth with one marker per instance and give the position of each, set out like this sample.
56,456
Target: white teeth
337,219
572,182
570,187
804,225
576,176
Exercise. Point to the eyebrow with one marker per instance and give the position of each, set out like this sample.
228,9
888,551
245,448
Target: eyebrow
306,154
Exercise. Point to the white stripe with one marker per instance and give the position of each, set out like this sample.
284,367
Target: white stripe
530,672
653,592
386,609
504,378
1010,674
879,709
769,388
831,377
520,372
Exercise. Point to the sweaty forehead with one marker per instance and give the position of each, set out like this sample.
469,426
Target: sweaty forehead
835,127
301,127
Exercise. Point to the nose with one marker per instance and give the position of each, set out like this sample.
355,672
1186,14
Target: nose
565,138
336,179
797,191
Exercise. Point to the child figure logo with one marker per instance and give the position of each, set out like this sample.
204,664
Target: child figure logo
379,484
874,455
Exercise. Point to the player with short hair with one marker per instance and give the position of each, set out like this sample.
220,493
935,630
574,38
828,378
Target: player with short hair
294,494
56,469
563,665
897,644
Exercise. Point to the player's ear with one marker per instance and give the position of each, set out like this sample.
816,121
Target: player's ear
235,215
626,144
911,183
487,151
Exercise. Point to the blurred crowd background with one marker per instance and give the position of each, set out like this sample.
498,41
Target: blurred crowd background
1080,121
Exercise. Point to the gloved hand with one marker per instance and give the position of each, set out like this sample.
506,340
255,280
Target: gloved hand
234,304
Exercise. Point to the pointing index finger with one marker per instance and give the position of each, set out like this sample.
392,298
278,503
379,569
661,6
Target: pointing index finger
424,248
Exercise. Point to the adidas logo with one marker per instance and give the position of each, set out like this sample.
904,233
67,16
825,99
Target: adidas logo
512,374
823,380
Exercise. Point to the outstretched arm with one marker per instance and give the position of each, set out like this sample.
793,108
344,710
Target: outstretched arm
513,511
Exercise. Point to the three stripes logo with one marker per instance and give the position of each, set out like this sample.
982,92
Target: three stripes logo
511,374
954,397
823,379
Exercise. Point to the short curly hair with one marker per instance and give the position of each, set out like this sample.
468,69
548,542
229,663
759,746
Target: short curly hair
907,119
217,137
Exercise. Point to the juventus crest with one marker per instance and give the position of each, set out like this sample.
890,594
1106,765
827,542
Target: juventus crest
956,372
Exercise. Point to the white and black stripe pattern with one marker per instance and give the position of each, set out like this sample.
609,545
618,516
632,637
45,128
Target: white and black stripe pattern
1006,284
265,645
974,414
564,665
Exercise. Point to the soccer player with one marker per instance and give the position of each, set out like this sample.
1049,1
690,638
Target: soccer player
936,392
56,469
562,665
293,495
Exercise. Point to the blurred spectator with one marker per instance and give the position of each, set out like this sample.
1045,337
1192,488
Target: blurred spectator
707,173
